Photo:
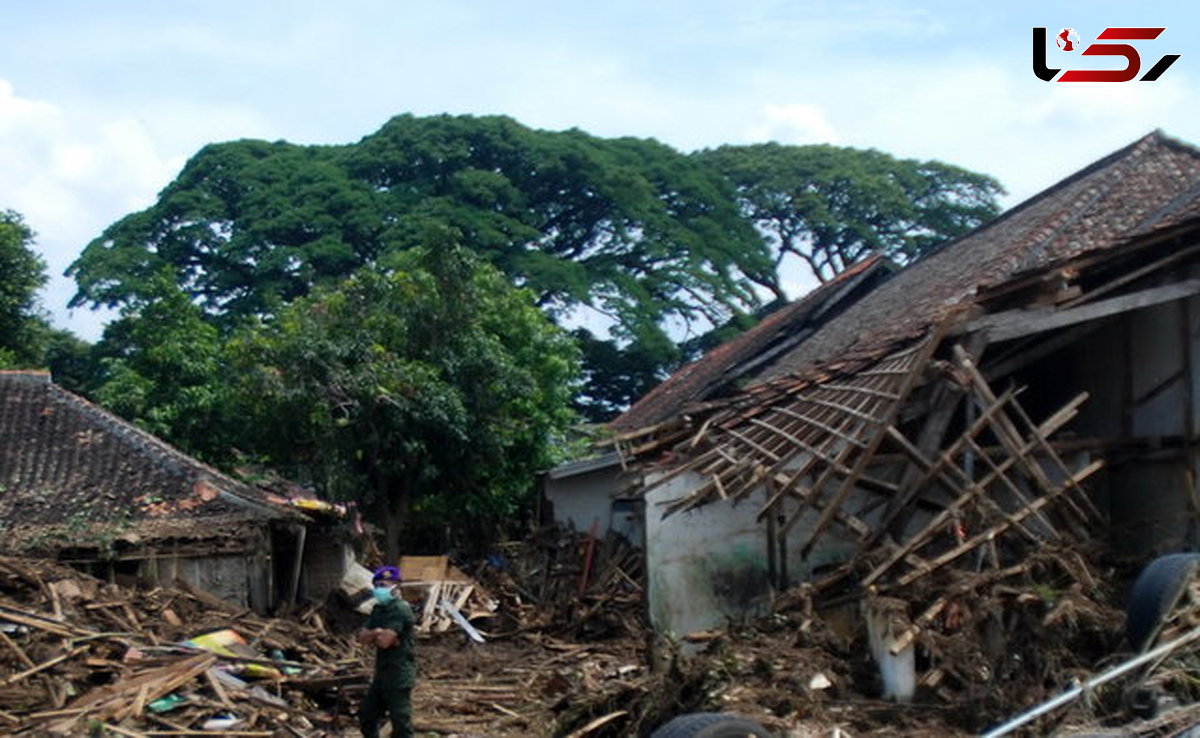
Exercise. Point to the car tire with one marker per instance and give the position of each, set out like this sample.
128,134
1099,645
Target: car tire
711,725
1155,592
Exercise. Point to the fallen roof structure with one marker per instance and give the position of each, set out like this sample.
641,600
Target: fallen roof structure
990,417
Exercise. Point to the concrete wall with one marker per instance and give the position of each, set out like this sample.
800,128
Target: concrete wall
705,565
326,562
240,578
586,498
711,565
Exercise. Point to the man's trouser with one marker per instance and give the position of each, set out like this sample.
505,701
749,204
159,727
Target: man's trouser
381,699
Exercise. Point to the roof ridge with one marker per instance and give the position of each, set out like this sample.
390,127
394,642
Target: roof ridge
1155,135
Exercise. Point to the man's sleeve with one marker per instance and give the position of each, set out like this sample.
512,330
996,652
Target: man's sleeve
401,619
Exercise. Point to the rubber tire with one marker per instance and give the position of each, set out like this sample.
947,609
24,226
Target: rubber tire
711,725
1154,592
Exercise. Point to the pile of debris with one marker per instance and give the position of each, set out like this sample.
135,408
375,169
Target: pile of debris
78,653
82,656
573,584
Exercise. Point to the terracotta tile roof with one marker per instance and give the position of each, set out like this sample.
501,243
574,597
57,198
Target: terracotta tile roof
1152,183
712,374
68,465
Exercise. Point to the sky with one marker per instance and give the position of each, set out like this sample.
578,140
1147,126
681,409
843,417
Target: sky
101,104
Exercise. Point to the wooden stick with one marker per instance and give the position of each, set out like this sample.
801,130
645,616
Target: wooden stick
1052,423
41,622
986,535
918,355
505,710
122,731
598,722
43,666
24,657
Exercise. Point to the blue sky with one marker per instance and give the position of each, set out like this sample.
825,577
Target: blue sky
102,103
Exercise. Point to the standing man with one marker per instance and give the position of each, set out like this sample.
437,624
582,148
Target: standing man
390,630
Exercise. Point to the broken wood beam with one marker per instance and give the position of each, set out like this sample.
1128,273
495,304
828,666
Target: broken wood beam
917,357
1030,509
979,487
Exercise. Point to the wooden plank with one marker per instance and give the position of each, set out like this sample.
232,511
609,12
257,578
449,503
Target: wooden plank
1133,276
1051,424
43,666
1092,511
987,535
597,723
1012,324
1006,431
1015,491
919,359
12,646
863,390
839,461
1008,434
1038,349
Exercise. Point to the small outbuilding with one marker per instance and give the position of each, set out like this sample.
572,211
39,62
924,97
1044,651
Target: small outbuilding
81,485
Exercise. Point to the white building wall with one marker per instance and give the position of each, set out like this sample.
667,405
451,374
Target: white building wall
580,500
703,566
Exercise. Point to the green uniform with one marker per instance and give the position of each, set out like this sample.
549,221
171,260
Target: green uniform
395,673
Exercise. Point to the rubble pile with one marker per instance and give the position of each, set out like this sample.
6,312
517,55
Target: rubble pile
80,655
572,584
566,652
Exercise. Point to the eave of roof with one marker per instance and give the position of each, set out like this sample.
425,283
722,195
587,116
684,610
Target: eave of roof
750,350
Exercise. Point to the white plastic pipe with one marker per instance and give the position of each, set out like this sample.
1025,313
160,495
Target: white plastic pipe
1092,683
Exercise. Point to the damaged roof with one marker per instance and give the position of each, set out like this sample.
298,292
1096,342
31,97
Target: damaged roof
714,372
69,465
1150,184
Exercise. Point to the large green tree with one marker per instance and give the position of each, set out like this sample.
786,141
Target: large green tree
23,329
831,206
431,392
626,226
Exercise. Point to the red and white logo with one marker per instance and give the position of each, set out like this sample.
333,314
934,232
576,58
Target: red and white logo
1067,40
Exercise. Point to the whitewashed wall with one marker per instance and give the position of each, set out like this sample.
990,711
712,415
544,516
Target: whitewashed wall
579,500
705,565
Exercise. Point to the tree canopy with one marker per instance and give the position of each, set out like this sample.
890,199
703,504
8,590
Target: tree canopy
162,367
630,228
431,391
832,207
23,329
626,226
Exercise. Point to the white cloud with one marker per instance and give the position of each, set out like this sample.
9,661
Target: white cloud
793,123
70,176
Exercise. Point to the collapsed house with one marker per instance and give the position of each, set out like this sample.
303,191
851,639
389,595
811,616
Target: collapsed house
80,485
1029,387
581,495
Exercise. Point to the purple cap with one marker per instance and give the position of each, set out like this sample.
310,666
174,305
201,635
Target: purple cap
386,574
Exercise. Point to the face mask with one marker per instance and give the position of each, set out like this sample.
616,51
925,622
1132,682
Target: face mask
383,594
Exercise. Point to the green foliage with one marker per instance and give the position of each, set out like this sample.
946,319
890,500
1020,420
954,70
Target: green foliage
628,226
833,207
616,377
163,370
22,274
431,392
